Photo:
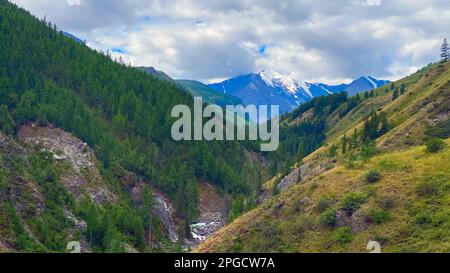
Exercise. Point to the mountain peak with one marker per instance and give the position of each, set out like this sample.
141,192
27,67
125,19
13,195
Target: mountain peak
274,88
276,79
364,83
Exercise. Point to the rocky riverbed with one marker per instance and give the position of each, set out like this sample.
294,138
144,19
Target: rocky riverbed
213,212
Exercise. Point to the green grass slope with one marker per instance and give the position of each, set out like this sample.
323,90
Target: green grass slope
407,210
394,192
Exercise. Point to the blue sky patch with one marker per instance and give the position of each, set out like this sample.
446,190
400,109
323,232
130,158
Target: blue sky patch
262,49
145,18
119,50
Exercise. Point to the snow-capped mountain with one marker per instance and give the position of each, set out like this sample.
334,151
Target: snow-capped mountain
301,91
272,88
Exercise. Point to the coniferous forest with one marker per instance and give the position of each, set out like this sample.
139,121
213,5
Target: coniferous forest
124,113
117,118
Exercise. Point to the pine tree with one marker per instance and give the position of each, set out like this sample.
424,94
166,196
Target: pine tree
384,123
402,89
6,122
333,151
344,144
395,94
445,51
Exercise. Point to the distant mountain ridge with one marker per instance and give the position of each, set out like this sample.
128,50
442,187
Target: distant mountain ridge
272,88
267,88
157,73
359,85
195,88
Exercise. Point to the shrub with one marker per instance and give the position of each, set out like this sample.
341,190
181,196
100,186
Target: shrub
328,217
368,151
434,145
371,190
373,176
378,216
323,204
427,188
302,224
313,187
333,151
353,201
423,218
343,235
271,230
441,218
237,245
386,201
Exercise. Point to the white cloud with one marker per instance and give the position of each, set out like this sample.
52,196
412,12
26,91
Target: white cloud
373,2
312,40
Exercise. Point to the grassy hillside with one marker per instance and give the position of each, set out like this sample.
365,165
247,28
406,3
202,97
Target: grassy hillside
384,185
407,210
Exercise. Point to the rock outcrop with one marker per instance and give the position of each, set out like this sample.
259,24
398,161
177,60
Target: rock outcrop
291,179
356,221
83,177
163,207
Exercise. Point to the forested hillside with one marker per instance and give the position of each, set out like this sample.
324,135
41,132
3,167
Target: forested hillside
119,111
86,155
382,175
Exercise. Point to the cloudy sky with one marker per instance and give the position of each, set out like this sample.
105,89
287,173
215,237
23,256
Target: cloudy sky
328,41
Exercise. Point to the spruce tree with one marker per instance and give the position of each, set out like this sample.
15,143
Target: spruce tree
402,89
344,144
444,51
384,123
395,94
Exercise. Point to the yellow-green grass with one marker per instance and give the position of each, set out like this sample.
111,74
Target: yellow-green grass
418,87
294,227
407,114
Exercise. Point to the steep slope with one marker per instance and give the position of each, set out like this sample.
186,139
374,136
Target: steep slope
123,114
53,191
406,211
380,185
